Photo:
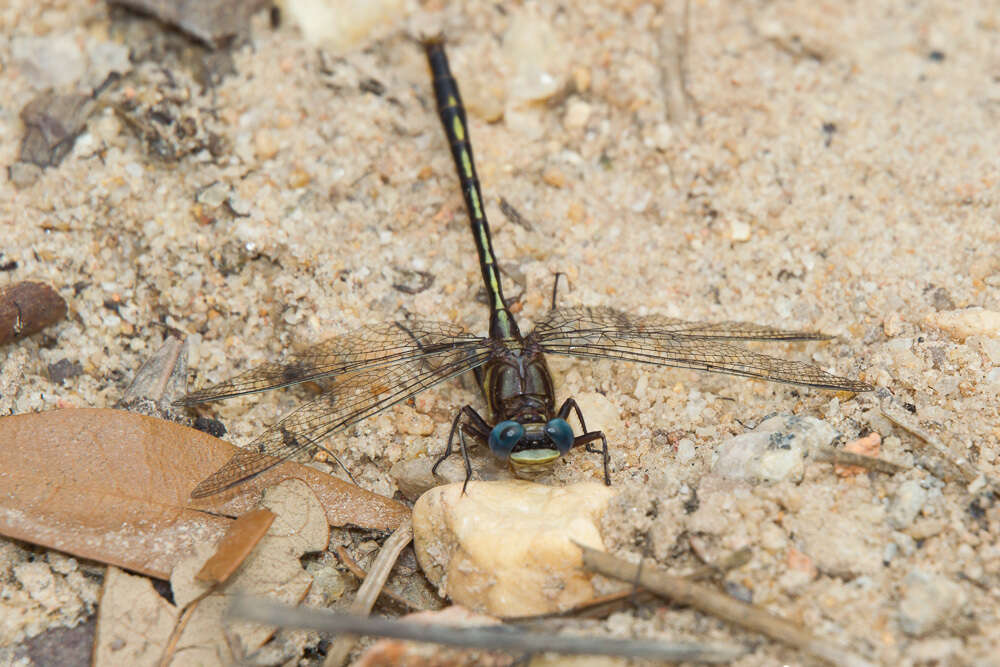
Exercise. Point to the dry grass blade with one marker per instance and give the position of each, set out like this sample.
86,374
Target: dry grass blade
709,601
843,457
360,573
492,638
370,588
955,468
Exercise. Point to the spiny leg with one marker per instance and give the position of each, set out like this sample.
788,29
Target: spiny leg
588,436
555,287
465,457
571,404
586,439
476,424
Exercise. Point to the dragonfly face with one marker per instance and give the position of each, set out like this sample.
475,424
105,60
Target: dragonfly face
531,446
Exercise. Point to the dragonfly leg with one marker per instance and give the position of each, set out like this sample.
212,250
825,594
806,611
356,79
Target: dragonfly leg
478,427
465,457
588,438
555,287
571,404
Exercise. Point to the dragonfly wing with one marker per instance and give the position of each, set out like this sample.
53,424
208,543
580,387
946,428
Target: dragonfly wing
583,319
349,399
609,334
368,347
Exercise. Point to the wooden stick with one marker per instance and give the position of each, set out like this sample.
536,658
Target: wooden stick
487,638
712,602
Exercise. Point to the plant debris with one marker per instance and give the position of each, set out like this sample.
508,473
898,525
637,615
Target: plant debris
28,307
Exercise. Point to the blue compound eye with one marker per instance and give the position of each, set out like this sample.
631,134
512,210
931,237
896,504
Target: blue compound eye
504,436
560,434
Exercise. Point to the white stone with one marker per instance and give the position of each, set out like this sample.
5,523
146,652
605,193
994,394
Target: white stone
577,114
535,55
53,61
906,504
928,601
739,230
685,450
774,451
506,548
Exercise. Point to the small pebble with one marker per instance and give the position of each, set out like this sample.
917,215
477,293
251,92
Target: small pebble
265,145
214,194
299,178
906,504
892,325
685,450
868,445
410,422
24,174
928,602
796,560
538,59
554,177
577,114
53,61
663,136
739,230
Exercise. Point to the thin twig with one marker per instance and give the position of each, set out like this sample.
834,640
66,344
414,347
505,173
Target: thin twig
717,604
605,605
957,468
489,638
368,592
844,457
175,634
360,573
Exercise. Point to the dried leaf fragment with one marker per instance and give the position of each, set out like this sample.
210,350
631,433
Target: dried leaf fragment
242,536
272,570
113,486
133,622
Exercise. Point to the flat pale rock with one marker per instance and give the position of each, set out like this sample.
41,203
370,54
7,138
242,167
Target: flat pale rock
960,324
504,548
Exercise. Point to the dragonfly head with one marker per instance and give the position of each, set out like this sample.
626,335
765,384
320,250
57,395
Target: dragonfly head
530,449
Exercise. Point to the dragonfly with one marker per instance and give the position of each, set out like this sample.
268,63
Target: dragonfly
368,370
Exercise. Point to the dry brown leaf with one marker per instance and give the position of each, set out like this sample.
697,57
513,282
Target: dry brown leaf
272,570
133,621
242,536
113,486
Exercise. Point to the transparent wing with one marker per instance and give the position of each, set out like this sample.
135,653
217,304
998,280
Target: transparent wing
606,333
368,347
350,398
583,320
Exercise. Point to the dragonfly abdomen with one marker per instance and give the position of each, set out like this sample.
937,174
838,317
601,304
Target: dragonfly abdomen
452,114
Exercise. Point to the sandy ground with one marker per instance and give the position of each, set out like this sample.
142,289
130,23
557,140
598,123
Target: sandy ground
831,167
